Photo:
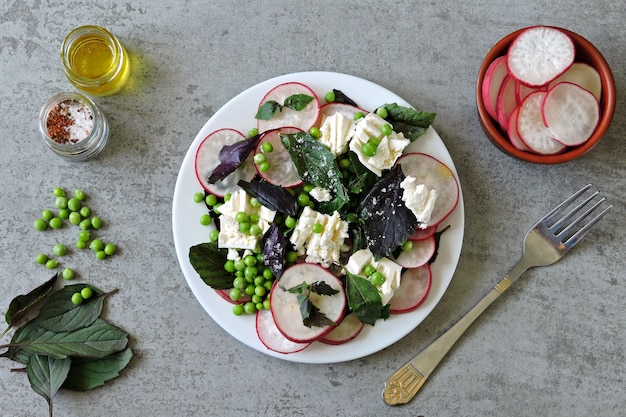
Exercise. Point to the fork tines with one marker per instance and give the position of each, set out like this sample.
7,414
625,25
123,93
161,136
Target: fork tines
575,223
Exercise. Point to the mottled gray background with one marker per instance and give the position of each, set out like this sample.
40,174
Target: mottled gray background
553,346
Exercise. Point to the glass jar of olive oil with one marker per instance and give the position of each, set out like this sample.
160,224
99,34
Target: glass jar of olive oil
95,61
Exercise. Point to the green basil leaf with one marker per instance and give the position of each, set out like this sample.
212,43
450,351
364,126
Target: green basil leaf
364,299
21,304
59,314
96,341
340,97
268,110
316,165
46,375
208,261
297,101
322,288
412,123
89,373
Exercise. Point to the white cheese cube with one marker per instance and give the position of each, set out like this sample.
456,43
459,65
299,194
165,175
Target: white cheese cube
419,199
388,268
324,247
336,131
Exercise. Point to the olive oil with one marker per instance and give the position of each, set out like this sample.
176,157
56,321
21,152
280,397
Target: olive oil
95,61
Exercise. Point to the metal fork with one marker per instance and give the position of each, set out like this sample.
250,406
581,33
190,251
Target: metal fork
545,243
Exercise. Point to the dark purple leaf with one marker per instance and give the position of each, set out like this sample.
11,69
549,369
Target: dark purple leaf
274,197
232,156
274,247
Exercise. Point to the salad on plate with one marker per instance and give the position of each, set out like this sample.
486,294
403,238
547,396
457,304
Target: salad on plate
321,220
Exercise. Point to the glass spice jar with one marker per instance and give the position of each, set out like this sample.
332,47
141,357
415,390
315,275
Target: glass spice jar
73,127
95,61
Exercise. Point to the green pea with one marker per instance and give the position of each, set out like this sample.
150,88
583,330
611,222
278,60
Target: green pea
267,273
51,264
386,129
238,309
109,249
205,220
101,255
407,246
96,245
264,167
250,260
56,223
64,213
344,163
240,283
329,97
85,224
255,230
303,199
41,259
77,299
268,284
369,270
85,211
377,278
211,200
75,218
86,293
290,222
307,188
84,236
249,289
58,192
244,227
47,214
259,280
255,202
253,132
74,204
227,197
79,194
61,202
59,249
315,132
68,274
249,308
291,257
267,147
256,299
96,222
240,265
229,266
214,235
242,216
317,228
40,225
198,197
266,304
260,291
250,272
81,244
369,149
382,112
259,158
235,294
359,115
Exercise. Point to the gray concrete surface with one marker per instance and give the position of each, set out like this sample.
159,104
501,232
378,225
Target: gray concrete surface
554,346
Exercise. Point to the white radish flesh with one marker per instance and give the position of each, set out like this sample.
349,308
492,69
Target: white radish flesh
583,75
303,119
436,176
536,136
494,76
282,170
286,310
347,330
571,113
207,159
344,109
413,291
540,54
420,253
272,338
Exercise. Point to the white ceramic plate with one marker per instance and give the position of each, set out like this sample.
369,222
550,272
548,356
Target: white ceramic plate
239,113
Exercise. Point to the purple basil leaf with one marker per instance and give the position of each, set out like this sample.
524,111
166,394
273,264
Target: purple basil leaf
274,247
274,197
232,156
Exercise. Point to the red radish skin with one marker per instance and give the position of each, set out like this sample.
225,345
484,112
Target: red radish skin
286,310
225,294
347,330
303,119
282,170
272,338
420,234
540,54
506,102
413,290
435,175
584,75
494,76
570,113
533,132
207,159
420,253
513,134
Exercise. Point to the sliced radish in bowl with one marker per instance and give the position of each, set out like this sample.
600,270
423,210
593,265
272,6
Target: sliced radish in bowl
494,76
570,113
540,54
207,159
531,129
584,75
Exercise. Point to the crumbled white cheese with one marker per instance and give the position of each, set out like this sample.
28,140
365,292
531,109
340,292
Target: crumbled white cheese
324,247
388,268
230,236
336,131
419,199
320,194
387,152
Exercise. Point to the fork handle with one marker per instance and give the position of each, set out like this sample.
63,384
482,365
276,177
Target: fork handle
403,384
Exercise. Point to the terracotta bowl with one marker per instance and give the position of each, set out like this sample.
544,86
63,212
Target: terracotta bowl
585,52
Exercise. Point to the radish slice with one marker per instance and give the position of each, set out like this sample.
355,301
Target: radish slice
435,175
282,170
536,136
506,101
225,294
286,310
540,54
348,329
272,338
571,113
207,159
419,254
513,134
420,234
346,110
496,71
522,91
303,119
413,290
583,75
